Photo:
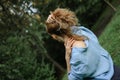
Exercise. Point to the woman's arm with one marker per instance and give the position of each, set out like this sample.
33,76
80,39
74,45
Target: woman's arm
78,66
68,64
68,45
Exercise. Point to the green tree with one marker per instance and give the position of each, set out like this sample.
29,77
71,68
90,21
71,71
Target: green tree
21,45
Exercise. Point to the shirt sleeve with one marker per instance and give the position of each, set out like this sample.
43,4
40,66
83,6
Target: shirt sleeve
78,65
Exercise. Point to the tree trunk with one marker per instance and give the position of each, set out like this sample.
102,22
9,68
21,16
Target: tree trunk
110,5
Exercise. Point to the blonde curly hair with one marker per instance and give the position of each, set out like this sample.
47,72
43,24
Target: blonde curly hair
65,17
62,20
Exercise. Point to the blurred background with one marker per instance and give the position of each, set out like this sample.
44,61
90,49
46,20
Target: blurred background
27,52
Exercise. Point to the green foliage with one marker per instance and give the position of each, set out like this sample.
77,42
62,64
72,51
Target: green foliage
110,37
65,77
21,44
44,72
87,10
18,60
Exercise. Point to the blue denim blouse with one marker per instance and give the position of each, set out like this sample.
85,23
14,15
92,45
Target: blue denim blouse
92,61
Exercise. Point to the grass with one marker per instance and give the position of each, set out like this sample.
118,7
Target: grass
110,39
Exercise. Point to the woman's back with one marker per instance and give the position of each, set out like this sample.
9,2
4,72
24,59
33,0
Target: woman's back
98,61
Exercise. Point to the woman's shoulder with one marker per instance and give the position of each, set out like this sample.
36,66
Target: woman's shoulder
81,30
86,32
79,44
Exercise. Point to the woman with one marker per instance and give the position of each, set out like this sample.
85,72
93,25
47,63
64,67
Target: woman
85,58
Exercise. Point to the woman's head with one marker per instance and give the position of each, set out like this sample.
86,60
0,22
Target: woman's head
59,22
61,19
